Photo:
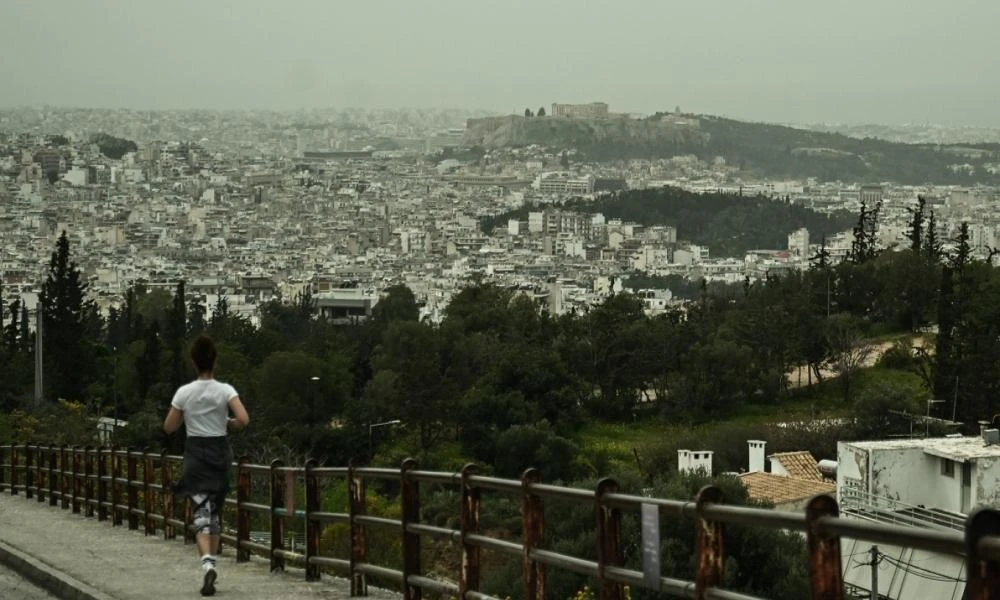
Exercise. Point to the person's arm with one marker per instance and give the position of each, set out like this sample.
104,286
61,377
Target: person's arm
172,423
240,418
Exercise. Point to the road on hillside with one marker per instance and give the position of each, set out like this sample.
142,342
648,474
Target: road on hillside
13,585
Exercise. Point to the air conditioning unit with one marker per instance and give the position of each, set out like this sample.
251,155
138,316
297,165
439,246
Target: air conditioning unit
991,436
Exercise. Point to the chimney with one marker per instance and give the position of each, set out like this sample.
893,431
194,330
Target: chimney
701,459
683,461
756,455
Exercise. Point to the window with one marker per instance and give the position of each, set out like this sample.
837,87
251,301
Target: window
947,468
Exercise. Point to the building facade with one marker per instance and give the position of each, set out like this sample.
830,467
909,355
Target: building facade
594,110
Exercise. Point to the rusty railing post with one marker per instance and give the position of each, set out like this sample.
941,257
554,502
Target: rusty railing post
242,514
116,488
410,497
610,548
148,497
41,466
65,476
29,472
825,577
13,469
166,479
313,527
277,521
359,535
88,481
102,483
533,527
469,577
132,492
53,476
710,550
76,452
40,473
983,571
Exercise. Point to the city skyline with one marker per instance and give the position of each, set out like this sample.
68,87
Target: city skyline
887,63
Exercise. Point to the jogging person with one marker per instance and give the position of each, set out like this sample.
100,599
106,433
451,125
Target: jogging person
204,406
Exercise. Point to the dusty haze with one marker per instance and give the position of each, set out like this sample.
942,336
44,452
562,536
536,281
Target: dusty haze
889,61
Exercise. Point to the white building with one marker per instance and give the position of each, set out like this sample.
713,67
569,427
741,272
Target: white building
798,243
932,483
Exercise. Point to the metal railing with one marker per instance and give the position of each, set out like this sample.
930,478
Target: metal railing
106,483
865,505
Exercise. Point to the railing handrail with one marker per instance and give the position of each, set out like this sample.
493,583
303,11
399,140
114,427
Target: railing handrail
91,480
852,499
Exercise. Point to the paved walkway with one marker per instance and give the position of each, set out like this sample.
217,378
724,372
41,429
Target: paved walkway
79,558
12,585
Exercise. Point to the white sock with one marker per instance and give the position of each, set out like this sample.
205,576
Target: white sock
207,562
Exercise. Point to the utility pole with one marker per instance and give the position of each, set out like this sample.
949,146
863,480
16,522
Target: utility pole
874,565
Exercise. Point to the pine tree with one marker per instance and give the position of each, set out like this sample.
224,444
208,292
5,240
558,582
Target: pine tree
10,331
944,366
963,253
931,245
917,225
864,246
147,365
24,337
218,324
541,111
64,312
196,317
3,339
177,335
822,258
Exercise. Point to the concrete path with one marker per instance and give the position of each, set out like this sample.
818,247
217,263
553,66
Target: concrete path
13,585
80,558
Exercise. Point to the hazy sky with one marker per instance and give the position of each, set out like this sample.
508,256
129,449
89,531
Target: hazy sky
889,61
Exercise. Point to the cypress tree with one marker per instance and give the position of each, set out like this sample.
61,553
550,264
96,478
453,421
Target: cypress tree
64,307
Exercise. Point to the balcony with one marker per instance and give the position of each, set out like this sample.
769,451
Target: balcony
861,504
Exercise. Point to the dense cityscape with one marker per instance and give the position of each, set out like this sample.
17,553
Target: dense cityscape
348,203
495,301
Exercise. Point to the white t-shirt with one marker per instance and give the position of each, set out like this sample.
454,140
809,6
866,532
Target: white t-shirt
205,403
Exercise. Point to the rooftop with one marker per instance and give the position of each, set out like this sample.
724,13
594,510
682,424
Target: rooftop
779,489
960,449
798,464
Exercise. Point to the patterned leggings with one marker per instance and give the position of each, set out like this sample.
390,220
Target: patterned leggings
206,515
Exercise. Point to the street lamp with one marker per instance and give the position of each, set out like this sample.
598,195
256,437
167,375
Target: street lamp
372,426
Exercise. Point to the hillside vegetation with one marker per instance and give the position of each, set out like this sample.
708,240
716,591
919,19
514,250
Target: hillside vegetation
729,224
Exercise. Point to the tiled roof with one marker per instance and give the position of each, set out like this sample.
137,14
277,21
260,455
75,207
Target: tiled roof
779,489
798,464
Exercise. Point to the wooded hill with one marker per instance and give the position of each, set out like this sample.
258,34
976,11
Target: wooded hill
729,224
758,149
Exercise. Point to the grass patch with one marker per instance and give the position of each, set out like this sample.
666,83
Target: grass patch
612,444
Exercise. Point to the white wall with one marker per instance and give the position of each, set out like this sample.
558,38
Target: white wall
914,477
906,474
986,482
